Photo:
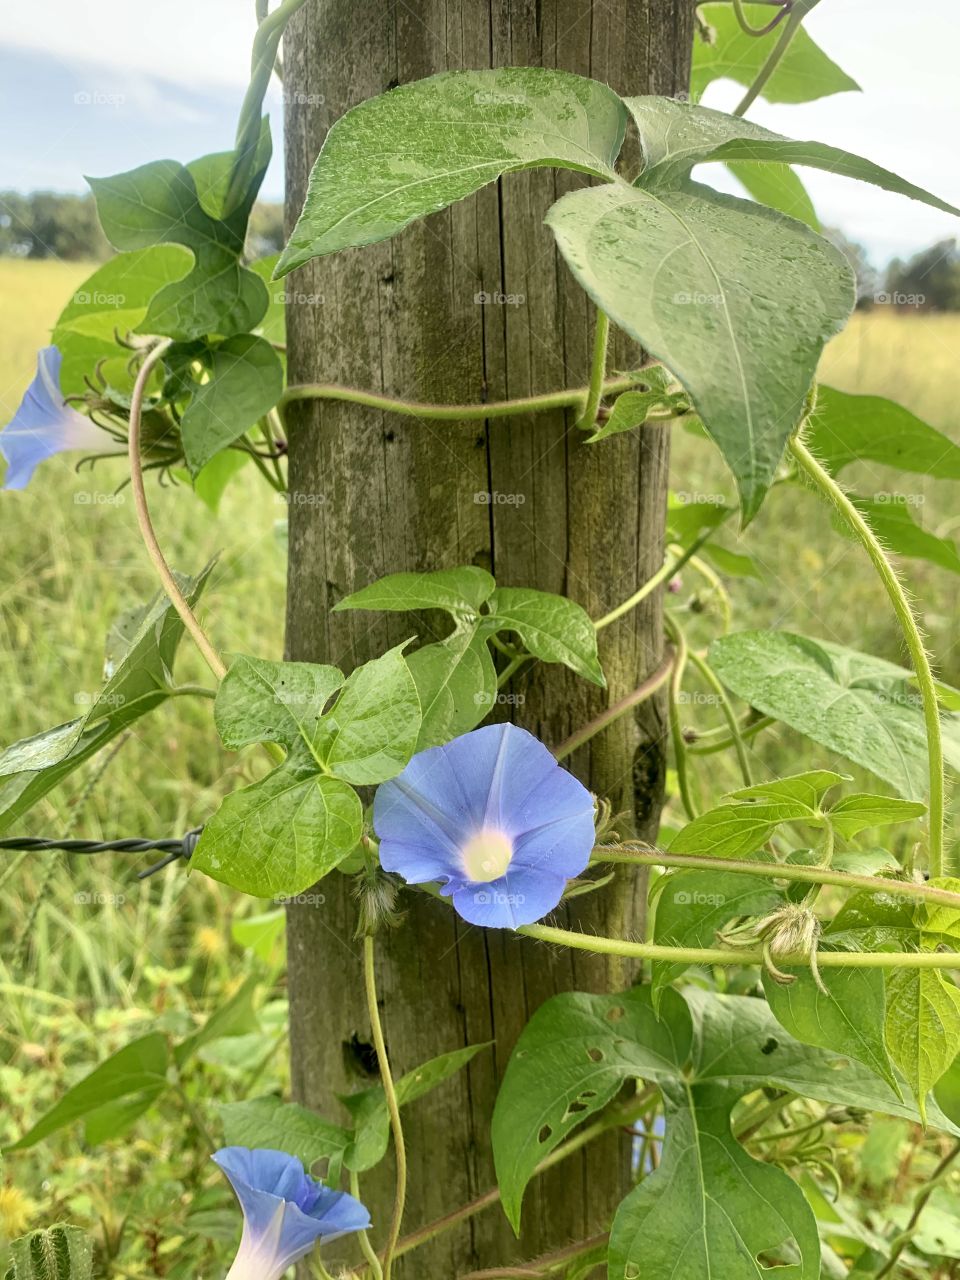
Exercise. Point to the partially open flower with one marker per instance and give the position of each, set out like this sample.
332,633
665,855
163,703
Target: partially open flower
45,424
285,1211
494,819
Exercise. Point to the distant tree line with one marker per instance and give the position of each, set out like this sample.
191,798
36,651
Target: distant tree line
49,224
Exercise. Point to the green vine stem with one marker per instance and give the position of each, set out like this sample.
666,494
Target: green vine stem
923,1195
648,856
747,730
598,368
675,633
147,533
601,946
451,412
366,1248
393,1105
641,694
736,737
790,29
835,494
663,574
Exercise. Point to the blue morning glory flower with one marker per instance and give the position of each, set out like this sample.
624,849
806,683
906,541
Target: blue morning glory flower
494,818
285,1211
45,424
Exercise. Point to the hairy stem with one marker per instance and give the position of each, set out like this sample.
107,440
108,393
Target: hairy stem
728,956
393,1105
648,856
617,709
911,634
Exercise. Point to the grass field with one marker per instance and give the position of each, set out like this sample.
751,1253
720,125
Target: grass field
72,559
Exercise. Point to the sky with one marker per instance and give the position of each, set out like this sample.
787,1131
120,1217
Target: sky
99,86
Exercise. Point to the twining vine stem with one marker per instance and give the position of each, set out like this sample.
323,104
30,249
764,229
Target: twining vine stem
164,572
602,946
574,398
598,369
393,1105
648,856
911,634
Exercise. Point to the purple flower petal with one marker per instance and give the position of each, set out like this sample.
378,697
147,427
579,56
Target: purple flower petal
494,819
44,425
285,1211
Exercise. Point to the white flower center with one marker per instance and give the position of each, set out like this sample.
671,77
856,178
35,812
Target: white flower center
486,856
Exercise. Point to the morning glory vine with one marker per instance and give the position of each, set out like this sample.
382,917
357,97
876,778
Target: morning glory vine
388,773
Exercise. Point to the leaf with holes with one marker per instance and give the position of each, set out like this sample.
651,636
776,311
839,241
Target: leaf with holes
737,300
423,146
572,1058
710,1209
